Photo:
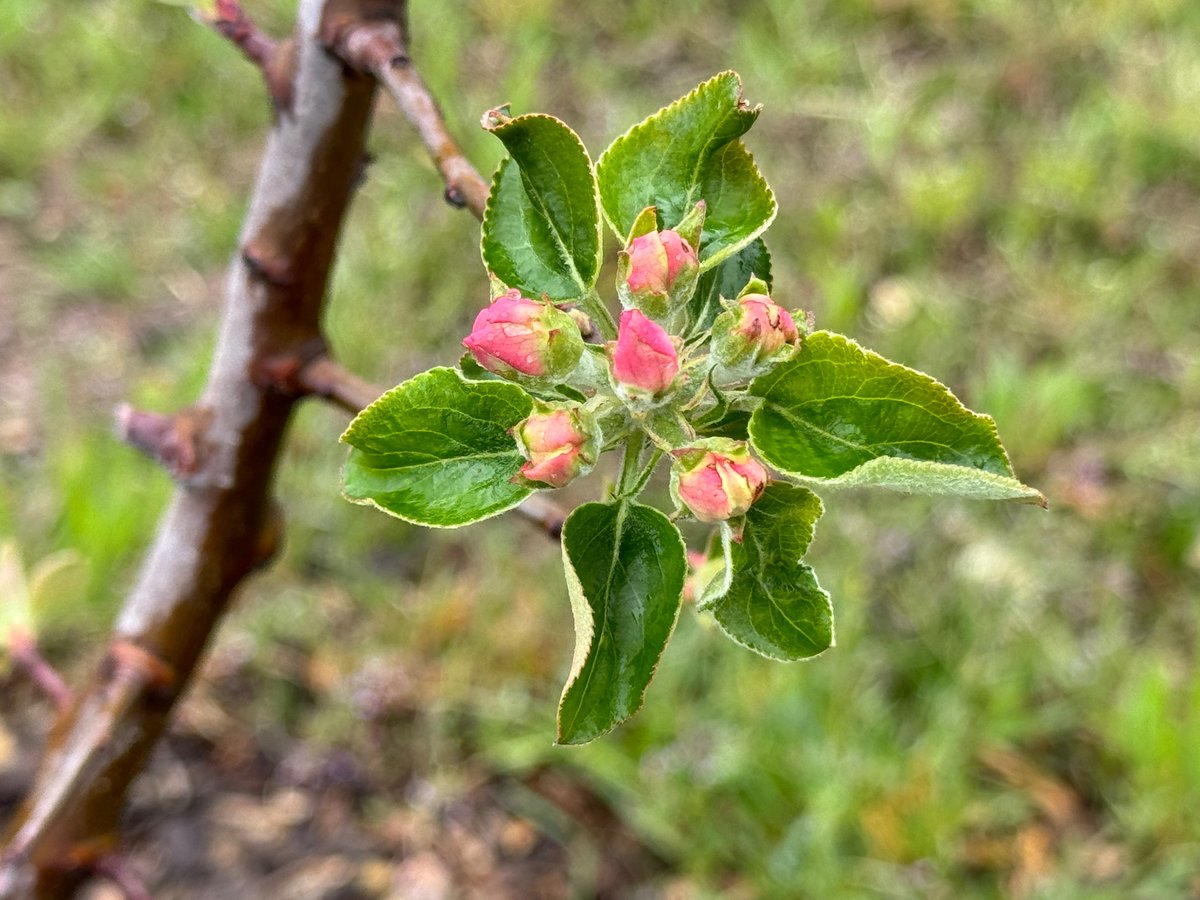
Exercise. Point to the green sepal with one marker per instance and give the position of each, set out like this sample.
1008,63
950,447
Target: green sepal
691,226
625,566
436,450
667,428
646,222
754,286
839,415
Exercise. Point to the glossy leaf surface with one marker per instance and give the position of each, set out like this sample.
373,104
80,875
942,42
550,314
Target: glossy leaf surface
436,450
687,152
727,280
541,229
772,602
841,415
625,567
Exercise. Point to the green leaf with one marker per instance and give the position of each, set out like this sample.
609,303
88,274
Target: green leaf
843,416
541,229
625,566
727,280
436,450
687,152
773,603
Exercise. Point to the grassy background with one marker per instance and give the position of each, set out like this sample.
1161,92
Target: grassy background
1001,192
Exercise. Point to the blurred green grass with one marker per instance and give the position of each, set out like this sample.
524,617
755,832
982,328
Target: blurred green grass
1002,193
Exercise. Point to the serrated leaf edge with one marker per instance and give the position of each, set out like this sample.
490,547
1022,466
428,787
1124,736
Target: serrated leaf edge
739,97
355,423
726,252
488,209
789,659
1014,488
986,420
708,604
579,603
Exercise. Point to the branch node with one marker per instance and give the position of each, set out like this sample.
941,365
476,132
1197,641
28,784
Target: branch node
173,441
264,266
281,373
141,664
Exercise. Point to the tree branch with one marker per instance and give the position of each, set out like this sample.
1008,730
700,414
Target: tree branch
379,47
221,522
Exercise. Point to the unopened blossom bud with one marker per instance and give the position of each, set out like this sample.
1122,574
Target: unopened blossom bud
752,332
515,335
558,442
657,271
643,357
717,479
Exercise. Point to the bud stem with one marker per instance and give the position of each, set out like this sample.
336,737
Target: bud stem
630,465
644,476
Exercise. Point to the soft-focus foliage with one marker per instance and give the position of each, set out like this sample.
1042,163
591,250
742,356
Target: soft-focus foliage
1002,193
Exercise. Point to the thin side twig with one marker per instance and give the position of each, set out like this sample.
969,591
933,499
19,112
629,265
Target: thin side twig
270,56
170,440
326,379
379,47
25,653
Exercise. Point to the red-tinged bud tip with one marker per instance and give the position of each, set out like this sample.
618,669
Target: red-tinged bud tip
764,321
753,332
644,356
718,479
517,335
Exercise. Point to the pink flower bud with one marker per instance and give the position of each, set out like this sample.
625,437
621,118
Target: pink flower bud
516,335
656,259
559,443
753,331
656,267
643,356
717,479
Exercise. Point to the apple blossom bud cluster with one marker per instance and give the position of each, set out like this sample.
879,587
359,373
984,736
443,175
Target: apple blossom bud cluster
661,374
700,368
